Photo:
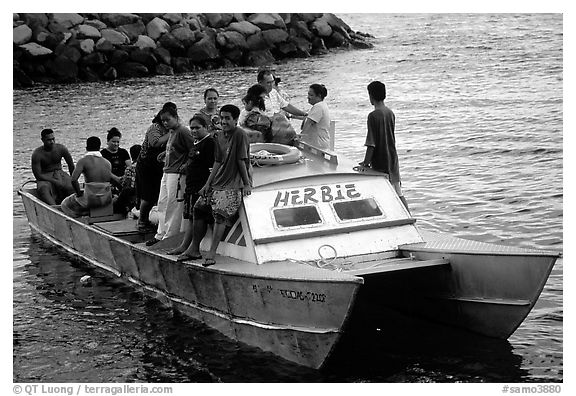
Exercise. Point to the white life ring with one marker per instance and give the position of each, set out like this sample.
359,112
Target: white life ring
273,154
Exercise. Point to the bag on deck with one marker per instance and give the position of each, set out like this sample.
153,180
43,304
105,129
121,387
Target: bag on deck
282,131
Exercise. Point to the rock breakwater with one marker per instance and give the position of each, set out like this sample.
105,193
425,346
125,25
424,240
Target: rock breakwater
69,47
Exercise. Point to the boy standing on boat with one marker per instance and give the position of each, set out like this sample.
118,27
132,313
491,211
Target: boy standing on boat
380,142
230,178
97,173
53,184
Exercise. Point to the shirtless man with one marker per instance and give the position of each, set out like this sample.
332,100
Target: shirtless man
97,173
53,184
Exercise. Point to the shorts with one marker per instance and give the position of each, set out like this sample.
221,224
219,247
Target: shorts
189,201
221,205
225,205
202,209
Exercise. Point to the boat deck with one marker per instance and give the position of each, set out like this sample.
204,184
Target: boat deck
435,242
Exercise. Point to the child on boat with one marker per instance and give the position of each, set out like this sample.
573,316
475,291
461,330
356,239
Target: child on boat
380,142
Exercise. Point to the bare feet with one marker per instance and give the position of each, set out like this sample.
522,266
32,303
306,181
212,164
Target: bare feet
177,250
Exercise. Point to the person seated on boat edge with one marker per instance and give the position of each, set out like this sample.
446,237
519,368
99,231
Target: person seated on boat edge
173,183
52,183
117,156
97,173
316,125
256,124
230,178
149,170
127,199
200,160
380,141
210,111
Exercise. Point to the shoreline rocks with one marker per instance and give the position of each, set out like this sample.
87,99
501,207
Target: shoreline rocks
61,48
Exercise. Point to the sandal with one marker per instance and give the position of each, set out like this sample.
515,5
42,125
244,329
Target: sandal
186,257
208,262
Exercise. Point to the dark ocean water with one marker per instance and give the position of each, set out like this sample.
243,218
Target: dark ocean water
479,108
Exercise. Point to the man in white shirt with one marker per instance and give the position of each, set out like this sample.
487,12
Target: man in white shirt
273,101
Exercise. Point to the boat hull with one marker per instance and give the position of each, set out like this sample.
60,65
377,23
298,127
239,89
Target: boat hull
488,289
297,318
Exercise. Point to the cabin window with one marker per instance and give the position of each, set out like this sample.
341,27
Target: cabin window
357,209
296,216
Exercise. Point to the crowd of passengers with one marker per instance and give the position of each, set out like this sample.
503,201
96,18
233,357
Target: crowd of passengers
197,174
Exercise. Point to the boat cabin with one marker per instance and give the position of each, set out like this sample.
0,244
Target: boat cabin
317,208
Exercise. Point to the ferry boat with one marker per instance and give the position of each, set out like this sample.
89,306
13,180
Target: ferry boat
314,241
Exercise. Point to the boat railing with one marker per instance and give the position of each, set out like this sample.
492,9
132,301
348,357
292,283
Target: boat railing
328,155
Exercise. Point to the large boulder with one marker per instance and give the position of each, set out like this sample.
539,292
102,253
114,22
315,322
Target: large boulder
110,73
68,20
118,56
133,30
300,29
96,23
145,57
259,58
114,36
275,36
35,50
69,52
219,20
62,68
244,27
306,17
156,28
184,35
335,40
231,40
21,34
163,55
119,19
144,41
104,45
203,50
168,41
33,20
87,46
56,27
86,31
93,59
164,70
172,18
267,21
256,42
132,69
321,27
182,65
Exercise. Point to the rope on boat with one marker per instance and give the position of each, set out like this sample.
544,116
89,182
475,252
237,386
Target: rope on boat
326,262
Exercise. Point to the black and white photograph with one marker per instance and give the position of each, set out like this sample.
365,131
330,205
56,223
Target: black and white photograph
335,197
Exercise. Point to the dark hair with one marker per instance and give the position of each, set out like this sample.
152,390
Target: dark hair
170,110
200,118
263,73
210,89
113,132
319,90
46,132
135,151
254,95
167,105
377,90
233,110
93,143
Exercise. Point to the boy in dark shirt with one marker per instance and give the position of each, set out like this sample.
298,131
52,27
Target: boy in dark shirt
200,161
380,142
